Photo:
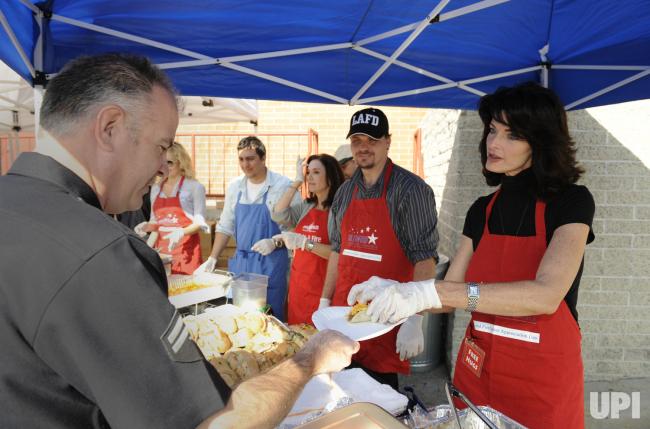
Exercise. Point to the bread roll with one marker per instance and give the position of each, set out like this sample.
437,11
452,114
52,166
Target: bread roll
254,321
260,343
241,338
227,324
243,363
229,376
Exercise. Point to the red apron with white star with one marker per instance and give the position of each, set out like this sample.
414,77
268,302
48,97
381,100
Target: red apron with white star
532,367
369,247
186,257
308,269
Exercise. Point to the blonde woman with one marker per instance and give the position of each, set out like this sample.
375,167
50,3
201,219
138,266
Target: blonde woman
178,212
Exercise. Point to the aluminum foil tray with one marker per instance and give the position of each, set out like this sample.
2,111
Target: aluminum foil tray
444,418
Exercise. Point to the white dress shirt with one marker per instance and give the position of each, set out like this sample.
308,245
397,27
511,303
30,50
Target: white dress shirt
275,184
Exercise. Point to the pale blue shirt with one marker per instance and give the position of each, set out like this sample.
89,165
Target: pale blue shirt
275,184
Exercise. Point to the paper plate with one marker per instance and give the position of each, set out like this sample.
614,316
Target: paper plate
336,318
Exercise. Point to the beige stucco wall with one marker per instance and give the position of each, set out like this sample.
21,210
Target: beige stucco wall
614,300
330,121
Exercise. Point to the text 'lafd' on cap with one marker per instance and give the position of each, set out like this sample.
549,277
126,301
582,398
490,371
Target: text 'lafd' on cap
370,122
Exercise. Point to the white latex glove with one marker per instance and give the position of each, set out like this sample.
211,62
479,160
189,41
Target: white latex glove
410,338
264,247
139,229
174,238
300,170
207,266
324,303
293,240
401,300
366,291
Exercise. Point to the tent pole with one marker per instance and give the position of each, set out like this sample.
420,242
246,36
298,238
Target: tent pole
443,17
260,56
14,103
596,67
608,89
39,66
14,41
137,39
285,82
416,69
402,47
448,85
546,65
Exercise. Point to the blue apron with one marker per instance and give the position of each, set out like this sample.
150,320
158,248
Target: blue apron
253,223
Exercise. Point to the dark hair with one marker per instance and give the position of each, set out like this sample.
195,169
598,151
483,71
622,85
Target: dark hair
537,115
90,81
252,142
333,175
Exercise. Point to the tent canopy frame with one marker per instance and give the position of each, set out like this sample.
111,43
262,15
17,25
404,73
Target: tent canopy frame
43,17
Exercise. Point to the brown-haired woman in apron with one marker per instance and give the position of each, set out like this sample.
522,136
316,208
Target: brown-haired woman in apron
309,240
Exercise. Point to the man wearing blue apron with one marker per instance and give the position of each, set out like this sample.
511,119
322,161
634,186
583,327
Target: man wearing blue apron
246,216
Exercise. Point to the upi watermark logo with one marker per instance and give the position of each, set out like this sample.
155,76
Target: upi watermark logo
609,404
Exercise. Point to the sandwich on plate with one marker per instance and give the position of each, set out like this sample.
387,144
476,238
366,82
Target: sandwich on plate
359,313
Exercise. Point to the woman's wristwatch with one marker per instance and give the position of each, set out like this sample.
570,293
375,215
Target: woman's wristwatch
309,245
473,292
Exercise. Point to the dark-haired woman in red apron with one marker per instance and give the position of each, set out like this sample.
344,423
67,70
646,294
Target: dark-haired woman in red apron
174,200
310,240
517,267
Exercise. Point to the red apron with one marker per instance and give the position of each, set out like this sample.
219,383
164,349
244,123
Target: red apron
308,269
369,247
532,369
186,257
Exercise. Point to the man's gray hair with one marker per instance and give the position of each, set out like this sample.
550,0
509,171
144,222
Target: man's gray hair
89,82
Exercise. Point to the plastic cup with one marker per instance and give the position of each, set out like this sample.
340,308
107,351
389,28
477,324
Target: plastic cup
249,291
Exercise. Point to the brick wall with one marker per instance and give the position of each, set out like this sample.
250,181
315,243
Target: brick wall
330,121
614,301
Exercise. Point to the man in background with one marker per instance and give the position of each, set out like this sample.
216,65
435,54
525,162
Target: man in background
246,216
344,156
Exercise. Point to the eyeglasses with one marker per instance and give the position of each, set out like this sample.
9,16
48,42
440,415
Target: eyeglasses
170,163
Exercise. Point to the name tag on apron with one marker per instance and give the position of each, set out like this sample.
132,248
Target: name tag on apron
472,356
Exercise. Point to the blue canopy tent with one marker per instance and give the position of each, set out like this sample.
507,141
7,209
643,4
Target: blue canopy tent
439,53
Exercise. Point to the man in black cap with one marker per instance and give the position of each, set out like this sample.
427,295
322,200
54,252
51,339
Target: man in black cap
382,223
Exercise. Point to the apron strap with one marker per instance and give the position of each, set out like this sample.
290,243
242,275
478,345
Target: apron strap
540,206
488,211
178,191
161,186
180,185
266,193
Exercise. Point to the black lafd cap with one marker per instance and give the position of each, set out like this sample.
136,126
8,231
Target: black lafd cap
370,122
